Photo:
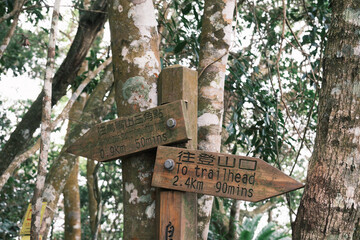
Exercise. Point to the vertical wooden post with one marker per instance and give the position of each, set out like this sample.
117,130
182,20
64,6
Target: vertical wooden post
177,211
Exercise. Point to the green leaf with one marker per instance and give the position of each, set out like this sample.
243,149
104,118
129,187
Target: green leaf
186,9
180,46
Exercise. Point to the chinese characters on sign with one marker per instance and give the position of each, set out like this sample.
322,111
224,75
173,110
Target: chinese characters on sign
169,232
217,174
129,123
113,139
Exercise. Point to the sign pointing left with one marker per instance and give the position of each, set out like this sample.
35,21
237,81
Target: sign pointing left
124,136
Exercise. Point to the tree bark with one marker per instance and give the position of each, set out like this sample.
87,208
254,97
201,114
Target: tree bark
214,48
92,191
71,188
234,220
16,12
94,110
20,158
72,205
136,60
329,208
89,25
37,200
220,219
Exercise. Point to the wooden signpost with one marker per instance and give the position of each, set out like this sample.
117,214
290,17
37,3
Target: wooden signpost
184,169
158,126
176,212
218,174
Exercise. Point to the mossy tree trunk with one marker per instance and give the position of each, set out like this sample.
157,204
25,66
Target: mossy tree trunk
135,50
329,207
71,188
216,37
90,24
95,109
92,186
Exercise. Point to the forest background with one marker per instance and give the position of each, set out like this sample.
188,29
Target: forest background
270,52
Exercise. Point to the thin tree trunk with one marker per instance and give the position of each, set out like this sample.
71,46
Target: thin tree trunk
71,188
329,208
357,230
37,200
94,110
221,220
217,21
89,25
16,13
19,159
134,41
92,192
72,205
234,220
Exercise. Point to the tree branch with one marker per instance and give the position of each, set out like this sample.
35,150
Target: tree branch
16,14
19,159
89,26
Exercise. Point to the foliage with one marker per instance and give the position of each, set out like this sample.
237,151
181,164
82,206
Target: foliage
33,10
110,190
92,61
17,193
250,227
272,84
14,199
25,52
180,23
26,48
4,124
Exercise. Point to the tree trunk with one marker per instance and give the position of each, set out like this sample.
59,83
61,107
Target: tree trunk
17,10
214,48
135,50
71,188
72,205
20,158
37,200
220,219
92,192
94,110
89,25
234,220
329,208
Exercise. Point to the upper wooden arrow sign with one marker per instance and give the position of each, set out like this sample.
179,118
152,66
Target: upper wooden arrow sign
218,174
110,140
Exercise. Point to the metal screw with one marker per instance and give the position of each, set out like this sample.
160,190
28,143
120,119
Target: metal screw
171,123
169,164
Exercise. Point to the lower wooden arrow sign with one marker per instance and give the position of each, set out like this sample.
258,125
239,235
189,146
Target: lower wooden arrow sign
218,174
123,136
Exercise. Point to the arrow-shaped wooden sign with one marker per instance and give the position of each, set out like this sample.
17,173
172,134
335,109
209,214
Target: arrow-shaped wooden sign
218,174
158,126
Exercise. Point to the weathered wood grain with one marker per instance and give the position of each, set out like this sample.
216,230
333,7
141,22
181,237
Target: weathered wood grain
178,208
218,174
127,135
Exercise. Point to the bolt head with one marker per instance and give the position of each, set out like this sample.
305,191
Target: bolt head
171,123
169,164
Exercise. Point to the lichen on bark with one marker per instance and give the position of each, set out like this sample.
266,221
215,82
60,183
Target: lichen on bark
135,50
216,37
329,208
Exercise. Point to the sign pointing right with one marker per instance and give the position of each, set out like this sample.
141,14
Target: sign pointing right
218,174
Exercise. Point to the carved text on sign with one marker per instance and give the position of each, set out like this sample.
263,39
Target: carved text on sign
223,175
145,130
169,232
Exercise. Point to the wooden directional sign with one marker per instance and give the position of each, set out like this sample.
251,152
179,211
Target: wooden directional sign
158,126
217,174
